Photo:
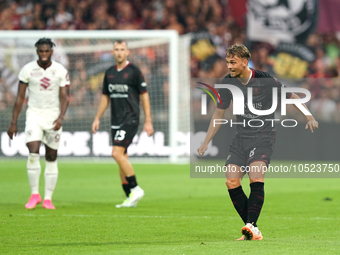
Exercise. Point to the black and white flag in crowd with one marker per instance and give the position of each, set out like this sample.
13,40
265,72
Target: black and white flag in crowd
277,21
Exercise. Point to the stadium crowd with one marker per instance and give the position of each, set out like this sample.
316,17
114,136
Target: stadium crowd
208,18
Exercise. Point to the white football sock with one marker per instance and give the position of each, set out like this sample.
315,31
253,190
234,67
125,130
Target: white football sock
51,177
33,172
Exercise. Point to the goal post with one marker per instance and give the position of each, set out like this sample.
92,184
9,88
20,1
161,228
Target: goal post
162,54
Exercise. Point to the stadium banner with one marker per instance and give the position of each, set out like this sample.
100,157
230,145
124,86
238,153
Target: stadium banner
296,152
202,45
77,141
329,19
281,20
207,49
291,60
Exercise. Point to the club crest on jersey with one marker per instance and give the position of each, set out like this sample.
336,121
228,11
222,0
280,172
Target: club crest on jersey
256,91
45,83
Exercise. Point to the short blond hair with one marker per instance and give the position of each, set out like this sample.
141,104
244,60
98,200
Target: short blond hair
120,42
238,50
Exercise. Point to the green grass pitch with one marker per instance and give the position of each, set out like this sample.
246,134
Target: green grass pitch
178,215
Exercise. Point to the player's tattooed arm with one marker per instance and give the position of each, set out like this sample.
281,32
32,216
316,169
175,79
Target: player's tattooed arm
312,124
64,91
147,111
12,129
212,130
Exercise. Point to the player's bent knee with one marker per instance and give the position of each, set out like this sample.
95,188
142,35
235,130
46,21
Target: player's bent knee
33,147
117,155
233,183
252,180
51,157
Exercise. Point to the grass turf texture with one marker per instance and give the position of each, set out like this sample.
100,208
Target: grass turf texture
178,215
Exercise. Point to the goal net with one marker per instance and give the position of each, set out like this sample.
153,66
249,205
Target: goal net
163,58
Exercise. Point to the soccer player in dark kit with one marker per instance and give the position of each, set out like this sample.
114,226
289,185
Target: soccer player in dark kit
123,87
252,146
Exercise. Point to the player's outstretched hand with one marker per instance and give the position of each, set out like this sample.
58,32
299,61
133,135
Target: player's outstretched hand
312,125
12,130
148,128
95,126
57,124
201,150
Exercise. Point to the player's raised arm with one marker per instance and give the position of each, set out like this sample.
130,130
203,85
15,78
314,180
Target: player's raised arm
312,124
12,129
212,130
104,102
147,111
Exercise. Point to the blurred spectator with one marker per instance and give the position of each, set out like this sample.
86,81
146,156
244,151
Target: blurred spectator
27,17
78,22
5,20
126,18
48,10
72,6
15,16
38,23
323,108
80,90
220,37
191,24
148,18
62,15
174,24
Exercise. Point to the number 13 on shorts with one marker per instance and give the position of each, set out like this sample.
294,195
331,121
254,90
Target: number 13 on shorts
120,135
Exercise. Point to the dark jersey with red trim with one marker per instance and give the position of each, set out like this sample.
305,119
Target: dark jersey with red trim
124,88
261,84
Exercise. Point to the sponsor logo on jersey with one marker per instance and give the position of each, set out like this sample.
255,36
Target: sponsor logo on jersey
118,87
143,84
45,83
36,74
126,75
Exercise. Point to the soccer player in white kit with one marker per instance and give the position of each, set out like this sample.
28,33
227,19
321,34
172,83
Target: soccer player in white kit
46,81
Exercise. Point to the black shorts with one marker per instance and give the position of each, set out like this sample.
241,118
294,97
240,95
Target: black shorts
244,151
124,135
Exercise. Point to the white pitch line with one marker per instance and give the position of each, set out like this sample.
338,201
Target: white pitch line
121,216
322,218
160,216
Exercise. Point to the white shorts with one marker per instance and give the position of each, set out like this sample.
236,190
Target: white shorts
39,129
